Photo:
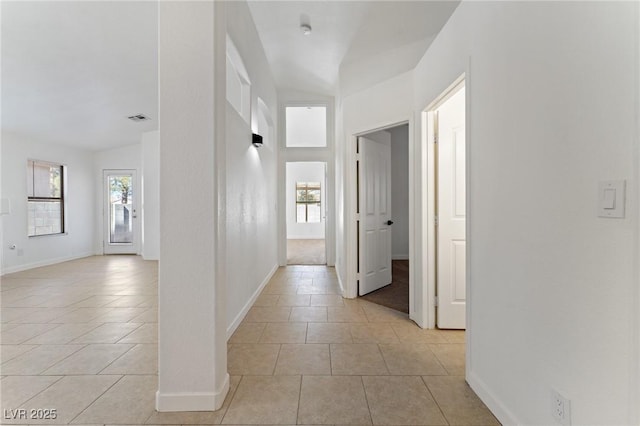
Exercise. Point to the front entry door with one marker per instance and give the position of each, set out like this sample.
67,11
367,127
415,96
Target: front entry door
120,212
375,215
451,196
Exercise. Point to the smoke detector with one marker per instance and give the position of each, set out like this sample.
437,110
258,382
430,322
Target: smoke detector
138,117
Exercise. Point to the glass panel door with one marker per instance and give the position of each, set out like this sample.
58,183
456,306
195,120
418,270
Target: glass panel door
120,212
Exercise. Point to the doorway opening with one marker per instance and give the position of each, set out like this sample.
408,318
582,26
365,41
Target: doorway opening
306,190
447,209
383,208
120,212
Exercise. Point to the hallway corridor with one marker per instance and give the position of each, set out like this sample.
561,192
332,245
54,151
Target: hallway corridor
81,338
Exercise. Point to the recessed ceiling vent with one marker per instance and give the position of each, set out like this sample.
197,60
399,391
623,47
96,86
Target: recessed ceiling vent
138,117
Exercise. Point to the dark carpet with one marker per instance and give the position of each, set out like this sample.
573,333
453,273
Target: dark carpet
396,294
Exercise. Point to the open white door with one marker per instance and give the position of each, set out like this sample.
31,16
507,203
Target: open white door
120,212
451,215
375,214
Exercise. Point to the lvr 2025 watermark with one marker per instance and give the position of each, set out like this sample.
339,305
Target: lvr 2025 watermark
30,414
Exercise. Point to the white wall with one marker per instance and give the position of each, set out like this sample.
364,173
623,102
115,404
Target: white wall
251,191
127,157
304,172
79,237
150,209
192,366
400,192
553,109
385,104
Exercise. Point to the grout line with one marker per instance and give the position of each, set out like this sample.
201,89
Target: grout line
364,390
275,365
299,399
23,404
330,360
60,360
140,324
435,400
98,397
232,398
116,359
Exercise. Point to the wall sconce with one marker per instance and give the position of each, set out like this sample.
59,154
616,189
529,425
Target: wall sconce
257,140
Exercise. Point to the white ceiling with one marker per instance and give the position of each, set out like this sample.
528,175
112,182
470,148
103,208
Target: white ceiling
73,71
351,40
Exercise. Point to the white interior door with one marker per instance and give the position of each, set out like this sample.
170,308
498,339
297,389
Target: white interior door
451,212
120,212
375,214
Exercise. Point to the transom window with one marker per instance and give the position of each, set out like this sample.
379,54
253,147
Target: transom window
308,202
45,198
306,126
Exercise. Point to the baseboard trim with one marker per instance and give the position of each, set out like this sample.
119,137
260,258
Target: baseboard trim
399,257
304,237
340,283
192,401
243,313
502,413
48,262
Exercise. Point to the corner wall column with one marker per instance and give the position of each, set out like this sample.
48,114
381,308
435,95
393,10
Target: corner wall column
192,351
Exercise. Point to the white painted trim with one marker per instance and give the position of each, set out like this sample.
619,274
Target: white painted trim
634,407
193,401
399,257
243,313
497,408
304,237
428,314
350,227
27,266
340,282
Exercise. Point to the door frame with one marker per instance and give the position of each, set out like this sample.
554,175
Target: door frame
429,219
300,154
350,287
136,246
324,204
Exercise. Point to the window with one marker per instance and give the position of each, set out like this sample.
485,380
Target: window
306,126
238,84
308,202
45,198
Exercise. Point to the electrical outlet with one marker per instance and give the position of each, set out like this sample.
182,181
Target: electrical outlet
560,408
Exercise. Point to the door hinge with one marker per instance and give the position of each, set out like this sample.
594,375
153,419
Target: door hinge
435,138
435,301
436,220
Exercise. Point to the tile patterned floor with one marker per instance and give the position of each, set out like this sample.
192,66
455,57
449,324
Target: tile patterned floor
81,338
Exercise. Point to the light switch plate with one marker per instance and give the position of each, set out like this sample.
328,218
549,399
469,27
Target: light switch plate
611,198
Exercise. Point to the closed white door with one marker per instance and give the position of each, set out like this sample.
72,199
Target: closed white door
375,214
451,212
120,212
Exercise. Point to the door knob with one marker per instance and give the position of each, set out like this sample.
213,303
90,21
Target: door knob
389,222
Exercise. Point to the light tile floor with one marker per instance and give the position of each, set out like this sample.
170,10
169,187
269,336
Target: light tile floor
81,338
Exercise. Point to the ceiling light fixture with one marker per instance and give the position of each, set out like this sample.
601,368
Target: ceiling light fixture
306,29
